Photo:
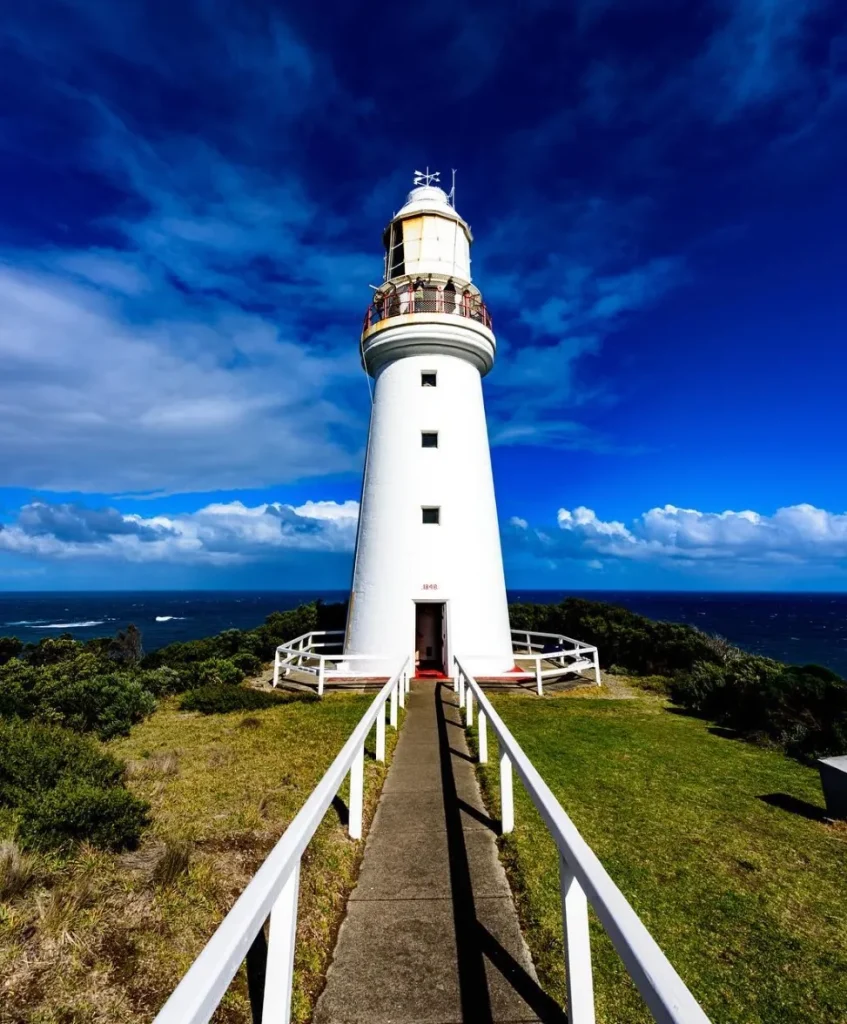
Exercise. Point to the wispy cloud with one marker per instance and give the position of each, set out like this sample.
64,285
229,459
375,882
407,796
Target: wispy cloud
200,334
566,292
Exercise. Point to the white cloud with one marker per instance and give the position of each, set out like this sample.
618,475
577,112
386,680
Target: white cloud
219,534
800,534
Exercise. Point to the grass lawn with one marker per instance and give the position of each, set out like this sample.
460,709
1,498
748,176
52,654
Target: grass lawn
747,898
102,937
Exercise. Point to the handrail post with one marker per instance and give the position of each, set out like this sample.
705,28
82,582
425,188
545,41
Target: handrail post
469,708
596,660
282,935
401,692
507,800
321,671
380,734
482,733
538,682
276,668
394,707
577,947
461,690
357,789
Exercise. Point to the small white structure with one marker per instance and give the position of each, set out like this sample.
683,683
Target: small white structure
428,574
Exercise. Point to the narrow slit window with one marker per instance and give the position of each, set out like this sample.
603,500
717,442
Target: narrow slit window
431,516
428,379
429,439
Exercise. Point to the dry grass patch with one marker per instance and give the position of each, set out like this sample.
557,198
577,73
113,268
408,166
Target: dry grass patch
101,937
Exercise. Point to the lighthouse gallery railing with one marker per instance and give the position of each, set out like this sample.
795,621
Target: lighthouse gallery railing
583,880
272,892
426,300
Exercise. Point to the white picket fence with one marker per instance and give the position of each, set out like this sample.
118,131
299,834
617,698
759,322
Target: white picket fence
583,880
272,892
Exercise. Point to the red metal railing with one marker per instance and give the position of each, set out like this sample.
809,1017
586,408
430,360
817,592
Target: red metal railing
426,299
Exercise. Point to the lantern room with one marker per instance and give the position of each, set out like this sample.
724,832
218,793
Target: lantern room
427,236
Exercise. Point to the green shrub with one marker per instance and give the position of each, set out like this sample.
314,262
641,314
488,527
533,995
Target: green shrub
164,680
701,689
10,647
76,810
218,698
249,664
35,756
105,704
18,682
802,709
216,671
63,788
53,650
632,642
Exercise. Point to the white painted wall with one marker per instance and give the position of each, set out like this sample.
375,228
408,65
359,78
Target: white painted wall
398,558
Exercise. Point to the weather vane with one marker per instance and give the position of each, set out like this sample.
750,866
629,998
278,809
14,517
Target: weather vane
425,178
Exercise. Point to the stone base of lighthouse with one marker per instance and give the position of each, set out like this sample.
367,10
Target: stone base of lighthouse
428,578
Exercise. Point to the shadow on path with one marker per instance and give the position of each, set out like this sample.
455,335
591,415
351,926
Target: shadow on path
474,943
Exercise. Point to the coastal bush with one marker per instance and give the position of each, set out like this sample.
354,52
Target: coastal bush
62,788
105,704
10,647
219,699
53,650
75,810
216,671
800,708
36,757
639,645
162,681
83,693
249,664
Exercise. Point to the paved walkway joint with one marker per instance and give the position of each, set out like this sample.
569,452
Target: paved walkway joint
431,933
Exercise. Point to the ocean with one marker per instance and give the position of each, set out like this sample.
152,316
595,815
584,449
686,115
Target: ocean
796,628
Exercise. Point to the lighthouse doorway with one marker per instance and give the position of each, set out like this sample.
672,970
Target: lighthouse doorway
430,635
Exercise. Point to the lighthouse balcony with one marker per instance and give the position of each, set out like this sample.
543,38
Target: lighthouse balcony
425,299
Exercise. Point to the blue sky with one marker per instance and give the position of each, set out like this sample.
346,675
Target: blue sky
194,196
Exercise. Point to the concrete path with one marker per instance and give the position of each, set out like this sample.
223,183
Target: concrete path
431,933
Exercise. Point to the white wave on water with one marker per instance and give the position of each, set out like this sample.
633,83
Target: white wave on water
169,618
72,625
26,622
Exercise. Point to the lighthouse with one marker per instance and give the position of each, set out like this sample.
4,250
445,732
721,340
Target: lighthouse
428,571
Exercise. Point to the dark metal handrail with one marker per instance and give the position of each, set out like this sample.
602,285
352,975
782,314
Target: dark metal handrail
427,299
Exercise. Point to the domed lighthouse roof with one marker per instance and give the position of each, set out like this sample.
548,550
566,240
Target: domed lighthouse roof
433,200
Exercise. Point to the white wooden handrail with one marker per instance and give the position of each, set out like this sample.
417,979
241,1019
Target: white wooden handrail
583,880
584,656
272,892
292,653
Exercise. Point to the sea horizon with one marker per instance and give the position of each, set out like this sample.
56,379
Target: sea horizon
797,627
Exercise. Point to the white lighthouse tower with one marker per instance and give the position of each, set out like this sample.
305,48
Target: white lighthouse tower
428,573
